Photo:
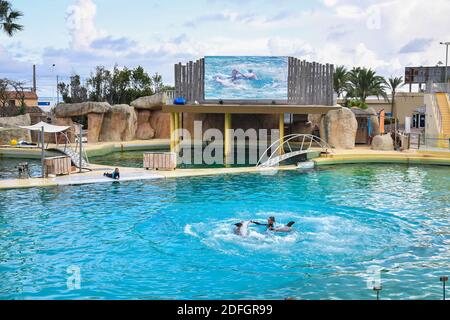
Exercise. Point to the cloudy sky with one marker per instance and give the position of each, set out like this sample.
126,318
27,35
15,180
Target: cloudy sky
77,35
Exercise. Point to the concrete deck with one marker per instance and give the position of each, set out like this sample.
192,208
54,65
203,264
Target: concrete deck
357,155
366,155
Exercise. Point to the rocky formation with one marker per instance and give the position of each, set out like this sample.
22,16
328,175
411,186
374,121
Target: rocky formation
383,143
119,124
144,129
154,102
95,123
6,134
338,128
160,122
143,120
67,110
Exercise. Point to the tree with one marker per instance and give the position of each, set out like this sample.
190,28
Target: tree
157,83
365,82
8,18
393,84
118,86
19,88
340,80
100,84
4,95
74,92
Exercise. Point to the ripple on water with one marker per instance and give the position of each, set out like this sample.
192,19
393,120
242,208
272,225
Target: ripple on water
174,238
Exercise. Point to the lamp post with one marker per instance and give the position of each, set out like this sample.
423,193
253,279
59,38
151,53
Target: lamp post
53,90
377,290
446,44
443,280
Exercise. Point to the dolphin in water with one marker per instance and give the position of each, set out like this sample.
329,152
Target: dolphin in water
286,228
242,228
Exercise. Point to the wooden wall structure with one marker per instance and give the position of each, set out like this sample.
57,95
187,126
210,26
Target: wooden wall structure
309,83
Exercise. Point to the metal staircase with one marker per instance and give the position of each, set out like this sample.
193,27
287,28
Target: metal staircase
74,155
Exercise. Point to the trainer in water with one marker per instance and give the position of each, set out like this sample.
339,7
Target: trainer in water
271,225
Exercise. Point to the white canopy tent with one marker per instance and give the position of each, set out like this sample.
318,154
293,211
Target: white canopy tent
46,127
42,128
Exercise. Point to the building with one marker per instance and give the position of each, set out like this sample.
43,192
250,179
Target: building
406,104
15,98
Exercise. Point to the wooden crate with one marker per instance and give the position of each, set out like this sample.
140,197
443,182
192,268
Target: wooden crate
160,160
57,166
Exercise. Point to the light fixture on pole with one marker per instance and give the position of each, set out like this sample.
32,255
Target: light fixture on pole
443,280
53,88
446,44
377,289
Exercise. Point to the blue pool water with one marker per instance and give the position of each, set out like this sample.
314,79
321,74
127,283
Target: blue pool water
174,239
256,78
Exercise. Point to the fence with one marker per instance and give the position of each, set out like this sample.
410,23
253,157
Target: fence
434,87
309,83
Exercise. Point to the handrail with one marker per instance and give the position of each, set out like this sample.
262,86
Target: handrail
68,146
436,112
323,144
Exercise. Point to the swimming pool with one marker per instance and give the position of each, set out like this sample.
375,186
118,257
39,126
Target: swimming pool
174,239
8,168
134,159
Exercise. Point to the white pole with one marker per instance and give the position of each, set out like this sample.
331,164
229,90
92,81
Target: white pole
407,124
446,62
42,153
80,138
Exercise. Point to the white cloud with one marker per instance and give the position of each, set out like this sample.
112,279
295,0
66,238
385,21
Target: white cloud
330,3
351,32
80,21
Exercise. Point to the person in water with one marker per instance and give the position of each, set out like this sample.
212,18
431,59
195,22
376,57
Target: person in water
236,75
250,75
270,223
115,175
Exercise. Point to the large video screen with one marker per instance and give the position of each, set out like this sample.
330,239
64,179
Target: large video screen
246,78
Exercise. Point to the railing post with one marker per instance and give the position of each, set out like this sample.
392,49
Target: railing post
42,152
281,128
409,141
80,138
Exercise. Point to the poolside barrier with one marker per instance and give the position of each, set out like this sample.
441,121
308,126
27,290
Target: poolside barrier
57,166
164,161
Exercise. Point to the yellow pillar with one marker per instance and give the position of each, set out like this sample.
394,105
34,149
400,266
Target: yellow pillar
177,125
281,128
227,139
172,132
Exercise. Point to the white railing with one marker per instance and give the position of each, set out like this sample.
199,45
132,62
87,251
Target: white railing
436,112
435,87
170,96
307,141
71,151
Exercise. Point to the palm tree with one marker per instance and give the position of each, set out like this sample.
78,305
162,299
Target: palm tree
8,18
365,82
393,84
340,80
